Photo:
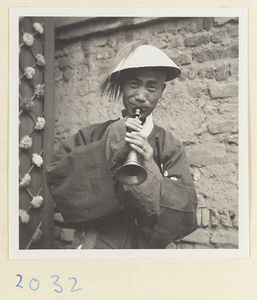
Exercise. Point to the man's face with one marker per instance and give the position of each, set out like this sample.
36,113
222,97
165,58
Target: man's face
142,88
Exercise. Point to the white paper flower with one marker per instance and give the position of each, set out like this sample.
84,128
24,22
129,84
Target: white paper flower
37,160
29,72
26,104
37,201
26,142
28,39
25,181
39,90
38,27
24,216
40,124
40,59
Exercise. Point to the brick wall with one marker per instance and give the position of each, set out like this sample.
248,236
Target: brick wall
200,107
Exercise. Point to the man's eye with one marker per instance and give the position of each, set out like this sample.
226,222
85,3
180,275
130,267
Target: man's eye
152,88
133,84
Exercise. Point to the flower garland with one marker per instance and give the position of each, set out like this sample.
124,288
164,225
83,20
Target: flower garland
39,90
24,216
38,27
37,201
37,160
40,124
26,142
27,106
25,181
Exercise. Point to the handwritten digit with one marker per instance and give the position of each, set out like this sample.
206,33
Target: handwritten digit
37,281
57,278
18,284
72,289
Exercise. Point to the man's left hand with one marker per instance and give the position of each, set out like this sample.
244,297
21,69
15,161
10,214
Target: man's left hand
139,143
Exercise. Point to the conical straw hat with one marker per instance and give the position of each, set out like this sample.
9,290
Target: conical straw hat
147,56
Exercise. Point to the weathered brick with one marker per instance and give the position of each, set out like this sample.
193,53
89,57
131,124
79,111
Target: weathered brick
201,73
228,107
223,20
236,220
232,148
232,51
101,42
205,217
201,236
185,246
129,36
225,239
183,59
67,234
104,55
176,42
225,219
210,72
197,91
190,73
220,126
232,30
215,217
203,155
193,41
233,139
222,72
196,174
233,68
210,54
235,129
201,130
223,90
163,45
78,56
64,63
201,246
194,25
200,200
171,246
60,52
218,36
172,30
67,75
199,217
207,23
162,28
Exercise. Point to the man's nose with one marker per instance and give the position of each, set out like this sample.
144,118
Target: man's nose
141,95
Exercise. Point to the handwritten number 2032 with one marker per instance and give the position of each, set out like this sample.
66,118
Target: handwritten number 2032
34,284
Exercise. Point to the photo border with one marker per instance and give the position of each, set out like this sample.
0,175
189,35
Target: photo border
242,251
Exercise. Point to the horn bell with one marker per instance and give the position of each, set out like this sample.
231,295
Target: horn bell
131,172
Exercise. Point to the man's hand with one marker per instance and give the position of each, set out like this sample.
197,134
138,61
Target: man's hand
137,140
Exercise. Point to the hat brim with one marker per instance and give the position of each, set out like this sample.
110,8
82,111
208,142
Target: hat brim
171,72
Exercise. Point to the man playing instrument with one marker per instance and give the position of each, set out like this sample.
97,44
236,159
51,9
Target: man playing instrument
82,177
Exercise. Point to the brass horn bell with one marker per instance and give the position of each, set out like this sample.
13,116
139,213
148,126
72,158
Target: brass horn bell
132,172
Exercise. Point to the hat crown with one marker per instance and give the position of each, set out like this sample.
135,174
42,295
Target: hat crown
147,56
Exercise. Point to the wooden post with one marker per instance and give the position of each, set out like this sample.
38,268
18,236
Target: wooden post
49,130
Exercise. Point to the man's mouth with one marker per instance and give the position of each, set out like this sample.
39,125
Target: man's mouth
142,108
